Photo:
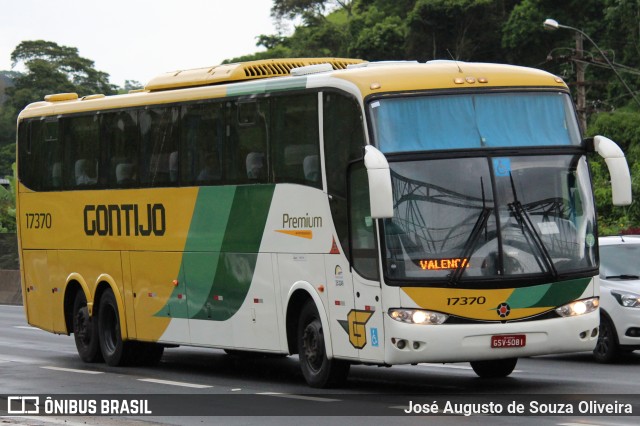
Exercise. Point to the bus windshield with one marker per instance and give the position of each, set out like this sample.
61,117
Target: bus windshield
524,119
462,219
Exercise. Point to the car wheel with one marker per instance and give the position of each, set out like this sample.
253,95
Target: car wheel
606,349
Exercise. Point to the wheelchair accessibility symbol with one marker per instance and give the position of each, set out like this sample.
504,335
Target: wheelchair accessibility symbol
374,336
502,166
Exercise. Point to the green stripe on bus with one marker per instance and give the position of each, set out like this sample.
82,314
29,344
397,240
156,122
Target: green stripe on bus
548,295
240,247
221,251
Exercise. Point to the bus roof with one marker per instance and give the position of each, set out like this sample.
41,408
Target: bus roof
275,75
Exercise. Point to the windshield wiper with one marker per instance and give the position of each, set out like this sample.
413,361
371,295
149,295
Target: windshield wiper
471,242
523,219
623,277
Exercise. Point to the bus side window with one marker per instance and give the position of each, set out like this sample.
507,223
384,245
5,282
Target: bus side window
343,143
52,152
296,141
31,139
250,153
81,136
201,143
120,130
159,139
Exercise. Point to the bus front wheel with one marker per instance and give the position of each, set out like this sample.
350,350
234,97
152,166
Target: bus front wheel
494,368
317,369
85,330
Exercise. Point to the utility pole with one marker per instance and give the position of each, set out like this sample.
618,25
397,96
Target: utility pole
581,90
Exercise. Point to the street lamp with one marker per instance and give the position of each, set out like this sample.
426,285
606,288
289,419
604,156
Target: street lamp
552,24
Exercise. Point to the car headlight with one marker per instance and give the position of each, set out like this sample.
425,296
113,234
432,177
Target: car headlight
626,299
418,316
579,307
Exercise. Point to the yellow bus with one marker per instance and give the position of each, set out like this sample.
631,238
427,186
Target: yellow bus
345,211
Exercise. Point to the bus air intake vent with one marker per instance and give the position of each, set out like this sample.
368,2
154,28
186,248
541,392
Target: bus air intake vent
242,71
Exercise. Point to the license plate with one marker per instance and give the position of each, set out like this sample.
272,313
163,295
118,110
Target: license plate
509,341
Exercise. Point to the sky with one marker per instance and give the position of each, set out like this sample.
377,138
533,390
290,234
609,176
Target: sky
138,39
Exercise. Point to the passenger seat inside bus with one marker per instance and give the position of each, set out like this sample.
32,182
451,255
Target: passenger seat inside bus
295,158
255,166
311,167
125,174
86,172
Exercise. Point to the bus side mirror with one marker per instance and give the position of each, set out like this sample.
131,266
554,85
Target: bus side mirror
618,169
379,175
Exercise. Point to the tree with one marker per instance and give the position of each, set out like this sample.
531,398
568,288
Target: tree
8,205
623,126
54,69
467,30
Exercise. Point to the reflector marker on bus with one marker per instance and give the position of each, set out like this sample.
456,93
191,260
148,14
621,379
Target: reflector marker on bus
255,300
182,296
152,295
334,247
340,303
369,308
218,298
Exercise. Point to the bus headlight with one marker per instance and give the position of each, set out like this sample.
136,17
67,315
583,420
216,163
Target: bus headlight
579,307
417,316
627,299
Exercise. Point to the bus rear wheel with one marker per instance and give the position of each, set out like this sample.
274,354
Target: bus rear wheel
317,369
114,350
85,330
494,368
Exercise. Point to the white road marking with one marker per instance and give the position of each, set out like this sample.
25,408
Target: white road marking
71,370
172,383
293,396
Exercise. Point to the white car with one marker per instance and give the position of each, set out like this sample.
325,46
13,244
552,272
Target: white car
619,297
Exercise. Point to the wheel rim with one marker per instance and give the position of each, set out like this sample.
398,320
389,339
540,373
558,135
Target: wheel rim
110,330
313,346
82,329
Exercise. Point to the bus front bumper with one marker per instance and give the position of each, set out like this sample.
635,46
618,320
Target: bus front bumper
410,343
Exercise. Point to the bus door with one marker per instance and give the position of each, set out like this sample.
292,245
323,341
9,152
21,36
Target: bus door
367,318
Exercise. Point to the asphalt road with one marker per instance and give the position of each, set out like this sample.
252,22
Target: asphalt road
205,386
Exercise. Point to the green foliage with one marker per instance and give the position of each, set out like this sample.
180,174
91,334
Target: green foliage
8,205
54,69
623,127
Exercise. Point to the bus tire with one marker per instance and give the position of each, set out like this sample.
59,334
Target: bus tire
85,330
114,350
606,349
317,369
495,368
